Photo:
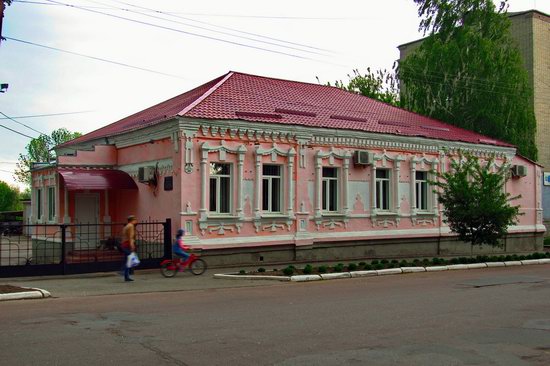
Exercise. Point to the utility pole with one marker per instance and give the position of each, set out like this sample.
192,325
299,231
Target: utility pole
2,7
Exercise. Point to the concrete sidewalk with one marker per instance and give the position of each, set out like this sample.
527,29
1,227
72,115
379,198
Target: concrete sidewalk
96,284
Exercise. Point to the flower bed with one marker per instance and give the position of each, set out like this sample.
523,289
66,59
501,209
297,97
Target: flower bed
376,264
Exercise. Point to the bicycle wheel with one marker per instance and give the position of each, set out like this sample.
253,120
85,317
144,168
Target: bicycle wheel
198,267
168,269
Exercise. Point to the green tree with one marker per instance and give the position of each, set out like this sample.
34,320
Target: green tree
9,197
469,72
40,150
475,205
381,85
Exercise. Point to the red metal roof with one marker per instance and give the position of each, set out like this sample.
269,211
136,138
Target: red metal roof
96,179
238,96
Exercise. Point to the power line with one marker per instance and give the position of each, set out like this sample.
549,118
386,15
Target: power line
252,16
200,27
221,27
17,132
185,32
94,58
22,124
46,115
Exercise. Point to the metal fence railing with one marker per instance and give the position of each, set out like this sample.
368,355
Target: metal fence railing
76,248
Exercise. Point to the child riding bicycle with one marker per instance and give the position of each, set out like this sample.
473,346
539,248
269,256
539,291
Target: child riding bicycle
179,248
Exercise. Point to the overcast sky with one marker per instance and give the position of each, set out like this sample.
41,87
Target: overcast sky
192,41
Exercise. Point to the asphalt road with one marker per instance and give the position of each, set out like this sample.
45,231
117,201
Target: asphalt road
497,316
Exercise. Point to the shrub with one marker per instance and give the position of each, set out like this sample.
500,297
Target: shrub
242,271
307,269
455,261
515,257
463,260
261,269
547,254
322,269
493,258
384,261
352,267
374,262
547,242
404,263
508,258
288,271
368,267
362,264
338,268
394,261
529,256
378,266
521,258
416,261
501,258
391,265
436,261
425,261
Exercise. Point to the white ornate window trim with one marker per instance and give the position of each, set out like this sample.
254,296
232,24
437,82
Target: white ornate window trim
381,161
420,164
275,151
222,151
332,154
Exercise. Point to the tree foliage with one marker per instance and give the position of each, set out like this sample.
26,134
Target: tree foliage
469,72
9,197
475,205
40,149
380,85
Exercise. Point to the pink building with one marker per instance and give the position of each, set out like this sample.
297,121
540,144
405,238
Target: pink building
261,169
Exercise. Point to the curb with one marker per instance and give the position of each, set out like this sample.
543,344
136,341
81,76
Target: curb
33,293
382,272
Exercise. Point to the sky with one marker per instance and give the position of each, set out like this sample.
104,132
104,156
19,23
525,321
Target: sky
181,44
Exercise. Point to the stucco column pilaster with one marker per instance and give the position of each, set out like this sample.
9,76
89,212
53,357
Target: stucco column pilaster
413,188
290,179
240,176
57,199
258,186
373,191
318,188
345,186
204,179
397,199
435,206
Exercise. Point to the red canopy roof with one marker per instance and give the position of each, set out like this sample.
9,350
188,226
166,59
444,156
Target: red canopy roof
237,96
75,178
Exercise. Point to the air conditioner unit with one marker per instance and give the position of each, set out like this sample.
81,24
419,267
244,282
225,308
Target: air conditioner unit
519,170
362,157
146,174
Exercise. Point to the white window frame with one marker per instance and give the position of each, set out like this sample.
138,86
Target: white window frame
378,193
270,179
51,203
417,184
218,178
325,182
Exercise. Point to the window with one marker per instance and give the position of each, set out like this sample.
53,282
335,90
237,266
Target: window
330,189
39,204
421,190
220,188
51,203
382,189
271,188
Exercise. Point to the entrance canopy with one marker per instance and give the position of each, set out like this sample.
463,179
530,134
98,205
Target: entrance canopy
96,179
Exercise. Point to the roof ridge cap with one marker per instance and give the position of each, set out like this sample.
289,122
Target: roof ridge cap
205,94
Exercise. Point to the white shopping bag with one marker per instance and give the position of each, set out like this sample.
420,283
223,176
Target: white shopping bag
132,260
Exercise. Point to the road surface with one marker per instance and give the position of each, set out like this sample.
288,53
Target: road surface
498,316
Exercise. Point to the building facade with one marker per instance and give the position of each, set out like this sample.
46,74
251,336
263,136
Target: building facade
258,169
531,31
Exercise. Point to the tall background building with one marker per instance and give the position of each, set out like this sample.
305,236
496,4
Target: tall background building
531,30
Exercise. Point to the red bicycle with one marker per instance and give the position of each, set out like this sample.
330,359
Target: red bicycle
170,267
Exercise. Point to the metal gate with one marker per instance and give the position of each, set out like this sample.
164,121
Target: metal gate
59,249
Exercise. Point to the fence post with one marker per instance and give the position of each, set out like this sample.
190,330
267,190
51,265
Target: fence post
168,239
63,247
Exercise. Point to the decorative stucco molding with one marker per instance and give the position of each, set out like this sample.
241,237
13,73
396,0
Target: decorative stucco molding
381,161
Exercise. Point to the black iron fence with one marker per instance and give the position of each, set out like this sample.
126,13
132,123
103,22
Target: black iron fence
48,249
